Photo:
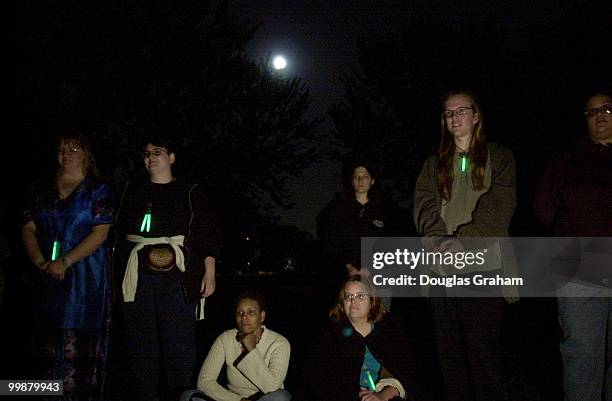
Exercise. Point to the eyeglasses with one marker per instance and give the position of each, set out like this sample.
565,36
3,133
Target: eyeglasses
359,296
156,153
459,111
70,150
593,111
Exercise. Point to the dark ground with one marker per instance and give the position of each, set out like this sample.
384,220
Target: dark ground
297,307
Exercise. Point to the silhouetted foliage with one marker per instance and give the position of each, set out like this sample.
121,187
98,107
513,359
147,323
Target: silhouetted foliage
531,72
118,70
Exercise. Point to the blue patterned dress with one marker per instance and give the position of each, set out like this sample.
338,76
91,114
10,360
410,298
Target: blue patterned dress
71,318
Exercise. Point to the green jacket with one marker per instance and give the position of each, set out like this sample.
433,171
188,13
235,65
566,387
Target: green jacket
490,218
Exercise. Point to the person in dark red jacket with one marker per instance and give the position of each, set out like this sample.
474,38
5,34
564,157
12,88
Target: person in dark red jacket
362,355
574,198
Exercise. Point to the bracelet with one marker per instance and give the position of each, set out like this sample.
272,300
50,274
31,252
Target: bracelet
64,263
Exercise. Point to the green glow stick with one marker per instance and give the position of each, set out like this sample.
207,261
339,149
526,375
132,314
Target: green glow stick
463,163
371,381
146,223
56,250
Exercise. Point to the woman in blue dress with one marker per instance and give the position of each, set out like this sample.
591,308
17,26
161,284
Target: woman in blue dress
65,226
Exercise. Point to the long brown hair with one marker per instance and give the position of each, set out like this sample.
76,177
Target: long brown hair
446,151
377,309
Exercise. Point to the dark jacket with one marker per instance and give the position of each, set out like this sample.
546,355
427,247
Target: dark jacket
333,365
186,212
348,222
574,197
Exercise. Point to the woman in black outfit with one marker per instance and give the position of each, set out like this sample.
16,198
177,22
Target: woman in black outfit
362,354
359,213
167,241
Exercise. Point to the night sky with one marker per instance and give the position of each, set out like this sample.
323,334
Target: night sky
564,43
320,40
533,74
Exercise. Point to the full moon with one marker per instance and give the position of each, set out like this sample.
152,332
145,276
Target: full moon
279,62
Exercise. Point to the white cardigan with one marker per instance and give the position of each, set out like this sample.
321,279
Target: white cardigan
263,369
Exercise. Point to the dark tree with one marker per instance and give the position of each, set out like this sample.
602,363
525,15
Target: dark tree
525,66
117,70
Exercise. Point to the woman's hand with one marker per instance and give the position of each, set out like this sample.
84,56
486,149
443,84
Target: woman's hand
355,271
386,394
208,285
248,341
369,395
57,269
452,245
43,264
352,270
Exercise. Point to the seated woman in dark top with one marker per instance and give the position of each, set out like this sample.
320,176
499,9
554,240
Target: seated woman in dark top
362,355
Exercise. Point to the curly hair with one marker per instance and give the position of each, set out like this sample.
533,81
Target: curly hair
252,295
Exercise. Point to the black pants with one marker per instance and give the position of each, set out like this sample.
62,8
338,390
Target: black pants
160,338
468,338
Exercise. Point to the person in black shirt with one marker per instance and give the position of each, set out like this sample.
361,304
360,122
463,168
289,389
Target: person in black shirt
362,354
359,213
166,244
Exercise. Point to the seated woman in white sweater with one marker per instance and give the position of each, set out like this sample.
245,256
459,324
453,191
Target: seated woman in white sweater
256,359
